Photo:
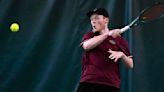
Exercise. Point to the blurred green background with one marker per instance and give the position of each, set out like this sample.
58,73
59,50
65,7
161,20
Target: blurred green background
44,56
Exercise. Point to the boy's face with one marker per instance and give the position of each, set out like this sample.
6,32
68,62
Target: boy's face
98,22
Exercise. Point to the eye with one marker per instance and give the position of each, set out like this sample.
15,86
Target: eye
96,17
92,19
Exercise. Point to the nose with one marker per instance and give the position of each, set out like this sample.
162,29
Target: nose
93,21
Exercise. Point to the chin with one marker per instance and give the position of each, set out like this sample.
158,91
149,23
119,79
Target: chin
95,31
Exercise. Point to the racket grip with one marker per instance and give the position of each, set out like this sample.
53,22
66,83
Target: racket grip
122,30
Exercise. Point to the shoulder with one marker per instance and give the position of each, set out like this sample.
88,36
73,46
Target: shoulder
89,34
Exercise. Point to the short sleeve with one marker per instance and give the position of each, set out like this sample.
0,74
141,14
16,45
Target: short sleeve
123,45
87,36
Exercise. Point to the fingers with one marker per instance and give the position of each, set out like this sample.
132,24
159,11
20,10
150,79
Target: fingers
113,55
130,56
116,59
110,51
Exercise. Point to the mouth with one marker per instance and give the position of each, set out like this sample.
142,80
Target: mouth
94,27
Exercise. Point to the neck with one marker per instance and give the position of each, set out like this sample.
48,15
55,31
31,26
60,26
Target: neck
104,30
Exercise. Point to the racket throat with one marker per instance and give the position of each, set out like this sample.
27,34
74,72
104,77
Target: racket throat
134,22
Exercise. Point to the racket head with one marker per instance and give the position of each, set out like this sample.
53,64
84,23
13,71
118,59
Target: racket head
152,13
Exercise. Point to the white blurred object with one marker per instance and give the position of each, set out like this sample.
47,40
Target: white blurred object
124,29
110,33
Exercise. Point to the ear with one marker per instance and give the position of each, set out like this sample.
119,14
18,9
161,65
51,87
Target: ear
106,19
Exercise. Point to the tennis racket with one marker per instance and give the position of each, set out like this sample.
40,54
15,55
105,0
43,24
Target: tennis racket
149,14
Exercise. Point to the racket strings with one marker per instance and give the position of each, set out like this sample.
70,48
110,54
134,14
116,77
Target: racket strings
152,13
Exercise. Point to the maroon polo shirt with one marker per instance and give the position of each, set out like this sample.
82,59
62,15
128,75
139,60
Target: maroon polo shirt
97,67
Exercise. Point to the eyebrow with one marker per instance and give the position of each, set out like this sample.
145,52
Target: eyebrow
93,17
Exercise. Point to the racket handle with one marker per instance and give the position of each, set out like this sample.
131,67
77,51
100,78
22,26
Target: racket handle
122,30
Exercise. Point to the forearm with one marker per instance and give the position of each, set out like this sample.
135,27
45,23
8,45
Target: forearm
93,42
128,61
